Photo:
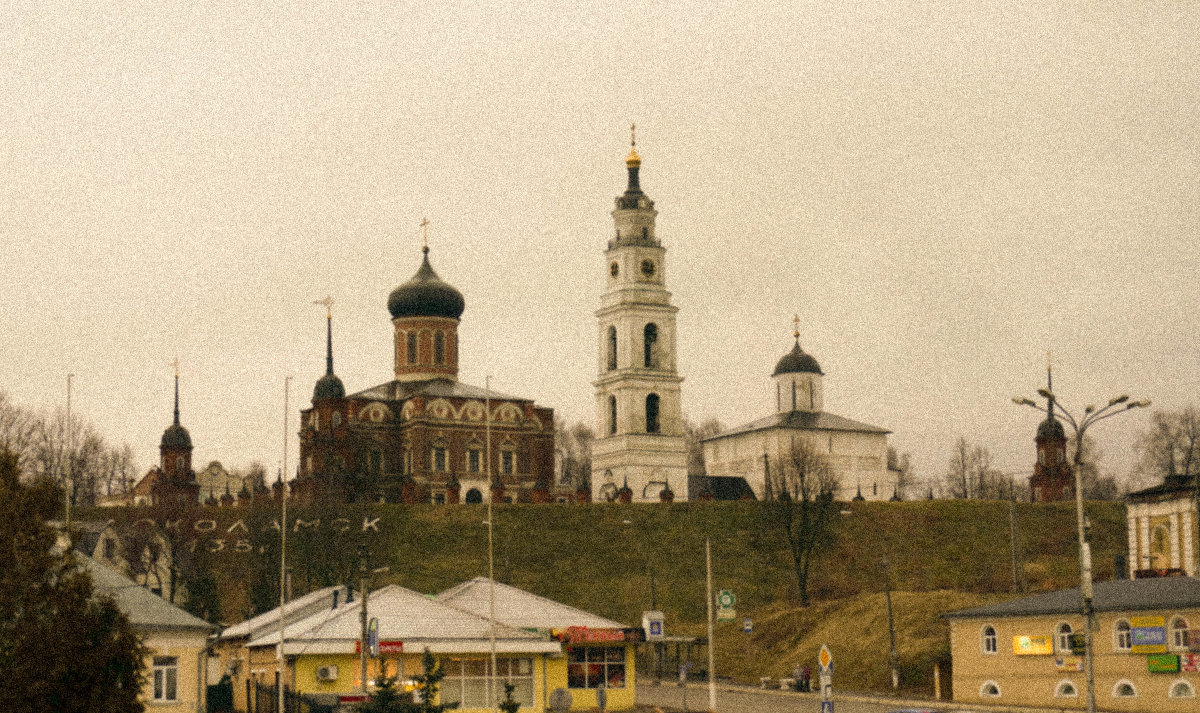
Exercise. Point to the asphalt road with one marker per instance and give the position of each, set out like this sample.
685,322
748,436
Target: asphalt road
752,700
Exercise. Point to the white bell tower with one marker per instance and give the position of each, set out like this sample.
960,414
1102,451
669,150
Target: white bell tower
639,423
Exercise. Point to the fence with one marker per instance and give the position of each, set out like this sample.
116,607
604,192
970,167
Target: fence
265,699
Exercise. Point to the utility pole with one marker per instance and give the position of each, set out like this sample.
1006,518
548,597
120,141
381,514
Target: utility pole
1012,530
712,674
287,384
887,593
68,480
362,615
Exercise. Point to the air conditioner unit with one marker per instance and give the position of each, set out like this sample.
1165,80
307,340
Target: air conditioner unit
327,673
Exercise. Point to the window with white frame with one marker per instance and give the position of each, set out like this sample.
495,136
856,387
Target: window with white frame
1181,689
596,666
1062,638
988,639
1122,636
1124,689
989,689
1066,689
166,678
1179,634
466,681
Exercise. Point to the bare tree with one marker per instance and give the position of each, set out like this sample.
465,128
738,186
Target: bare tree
1170,448
17,428
802,506
971,475
574,442
695,433
900,464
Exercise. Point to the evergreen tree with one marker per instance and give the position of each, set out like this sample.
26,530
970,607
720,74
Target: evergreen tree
61,648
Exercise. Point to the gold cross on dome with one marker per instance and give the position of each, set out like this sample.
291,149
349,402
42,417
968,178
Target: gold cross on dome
425,231
796,322
328,303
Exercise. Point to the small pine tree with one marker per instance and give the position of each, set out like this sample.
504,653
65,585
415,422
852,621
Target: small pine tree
387,699
428,683
508,705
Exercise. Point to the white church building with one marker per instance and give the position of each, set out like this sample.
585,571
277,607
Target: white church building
856,452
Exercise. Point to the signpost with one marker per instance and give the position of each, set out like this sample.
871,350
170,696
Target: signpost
748,625
725,602
825,673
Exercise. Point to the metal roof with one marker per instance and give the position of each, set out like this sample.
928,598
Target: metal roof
296,609
517,607
408,616
445,388
802,421
1115,596
145,609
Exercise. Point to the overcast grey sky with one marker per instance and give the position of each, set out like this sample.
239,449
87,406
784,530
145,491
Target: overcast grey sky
942,191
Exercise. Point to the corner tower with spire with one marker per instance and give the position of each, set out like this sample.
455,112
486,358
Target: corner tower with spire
639,421
1052,478
176,481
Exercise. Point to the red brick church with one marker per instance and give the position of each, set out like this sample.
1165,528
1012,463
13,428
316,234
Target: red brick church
423,436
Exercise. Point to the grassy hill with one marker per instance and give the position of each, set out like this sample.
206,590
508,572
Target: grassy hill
943,555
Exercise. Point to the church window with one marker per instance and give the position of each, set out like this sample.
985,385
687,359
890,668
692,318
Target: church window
412,347
316,421
508,462
1042,457
179,463
793,394
1122,636
988,639
337,419
439,459
1062,638
647,268
375,462
612,348
439,348
645,233
778,398
1179,633
612,415
474,460
614,269
650,346
652,413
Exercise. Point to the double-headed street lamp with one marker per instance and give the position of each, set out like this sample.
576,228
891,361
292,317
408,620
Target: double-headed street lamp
1091,414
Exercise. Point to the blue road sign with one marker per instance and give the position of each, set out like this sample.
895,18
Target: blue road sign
826,706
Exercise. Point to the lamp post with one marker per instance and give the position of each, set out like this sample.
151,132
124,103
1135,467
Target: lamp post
1091,415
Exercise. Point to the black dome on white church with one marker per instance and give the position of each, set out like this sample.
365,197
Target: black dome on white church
426,295
797,362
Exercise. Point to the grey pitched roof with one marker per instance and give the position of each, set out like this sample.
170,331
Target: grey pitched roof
296,609
517,607
144,609
402,614
445,388
1119,595
802,421
1171,485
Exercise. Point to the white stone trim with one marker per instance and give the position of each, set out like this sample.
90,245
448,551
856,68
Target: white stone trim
1058,689
1189,545
1144,531
1173,531
984,686
1131,522
1124,682
1191,688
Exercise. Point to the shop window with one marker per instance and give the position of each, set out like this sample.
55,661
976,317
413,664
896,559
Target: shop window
1124,689
166,678
593,666
989,689
1066,689
466,681
1122,636
1182,689
1062,638
988,636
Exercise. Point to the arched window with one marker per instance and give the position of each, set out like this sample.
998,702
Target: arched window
1179,633
1122,636
649,346
1124,689
1062,638
989,689
1181,689
1066,689
439,347
988,639
652,413
412,347
179,463
336,419
612,415
612,348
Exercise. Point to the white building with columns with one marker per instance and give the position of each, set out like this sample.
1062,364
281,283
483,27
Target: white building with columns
639,422
1162,527
855,451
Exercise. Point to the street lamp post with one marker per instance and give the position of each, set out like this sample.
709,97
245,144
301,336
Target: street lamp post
1091,415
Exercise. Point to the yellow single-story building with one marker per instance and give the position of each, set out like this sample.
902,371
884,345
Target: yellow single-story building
1023,652
597,652
176,642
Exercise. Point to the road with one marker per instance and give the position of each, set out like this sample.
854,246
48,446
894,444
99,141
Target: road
752,700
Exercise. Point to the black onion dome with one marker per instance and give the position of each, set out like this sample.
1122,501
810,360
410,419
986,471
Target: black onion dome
329,387
176,436
796,361
425,295
1051,428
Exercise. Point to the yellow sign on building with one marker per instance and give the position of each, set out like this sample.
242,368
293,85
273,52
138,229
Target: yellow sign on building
1033,645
